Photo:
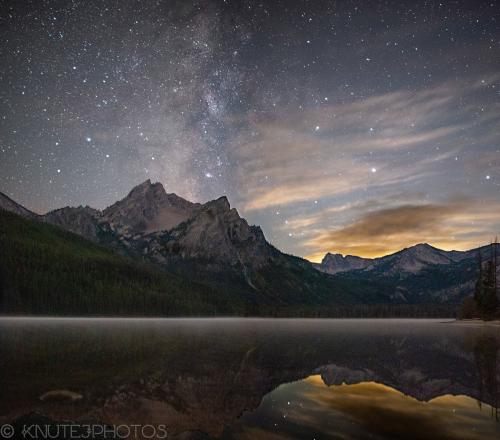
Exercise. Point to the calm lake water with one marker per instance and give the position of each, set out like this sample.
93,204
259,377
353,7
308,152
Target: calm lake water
256,378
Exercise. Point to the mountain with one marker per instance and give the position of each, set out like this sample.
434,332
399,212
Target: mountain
7,204
82,220
213,232
416,258
418,274
208,243
49,271
148,208
336,263
166,228
212,245
408,260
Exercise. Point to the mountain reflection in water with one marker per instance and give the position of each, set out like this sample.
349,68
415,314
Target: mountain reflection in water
310,409
256,378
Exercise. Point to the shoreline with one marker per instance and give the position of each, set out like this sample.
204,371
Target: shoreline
494,323
214,318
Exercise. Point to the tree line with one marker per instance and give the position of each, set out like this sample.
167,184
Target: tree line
484,303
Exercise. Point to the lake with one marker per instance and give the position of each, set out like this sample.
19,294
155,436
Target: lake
255,378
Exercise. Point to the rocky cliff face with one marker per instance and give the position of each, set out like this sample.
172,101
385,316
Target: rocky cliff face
168,229
148,208
215,232
82,220
336,263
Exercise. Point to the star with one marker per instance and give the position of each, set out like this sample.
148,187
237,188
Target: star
240,101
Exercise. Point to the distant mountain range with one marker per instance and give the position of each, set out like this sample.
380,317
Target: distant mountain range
409,260
421,273
212,245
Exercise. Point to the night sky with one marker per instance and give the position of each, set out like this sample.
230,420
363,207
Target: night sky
357,127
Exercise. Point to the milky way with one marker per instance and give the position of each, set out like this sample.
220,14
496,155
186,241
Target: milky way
358,127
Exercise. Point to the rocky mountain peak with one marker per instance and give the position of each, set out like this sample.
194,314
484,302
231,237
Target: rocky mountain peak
415,258
147,189
219,206
331,257
421,248
148,208
335,263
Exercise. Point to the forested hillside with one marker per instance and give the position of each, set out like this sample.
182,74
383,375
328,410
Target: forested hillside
46,270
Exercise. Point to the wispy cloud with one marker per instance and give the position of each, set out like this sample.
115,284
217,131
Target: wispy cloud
456,224
298,155
369,176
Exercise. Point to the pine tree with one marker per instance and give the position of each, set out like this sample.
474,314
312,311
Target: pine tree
489,299
485,293
479,287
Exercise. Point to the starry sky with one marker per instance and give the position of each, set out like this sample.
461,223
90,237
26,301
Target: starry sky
358,127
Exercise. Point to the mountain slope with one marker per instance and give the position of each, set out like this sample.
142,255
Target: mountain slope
7,204
413,259
46,270
81,220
